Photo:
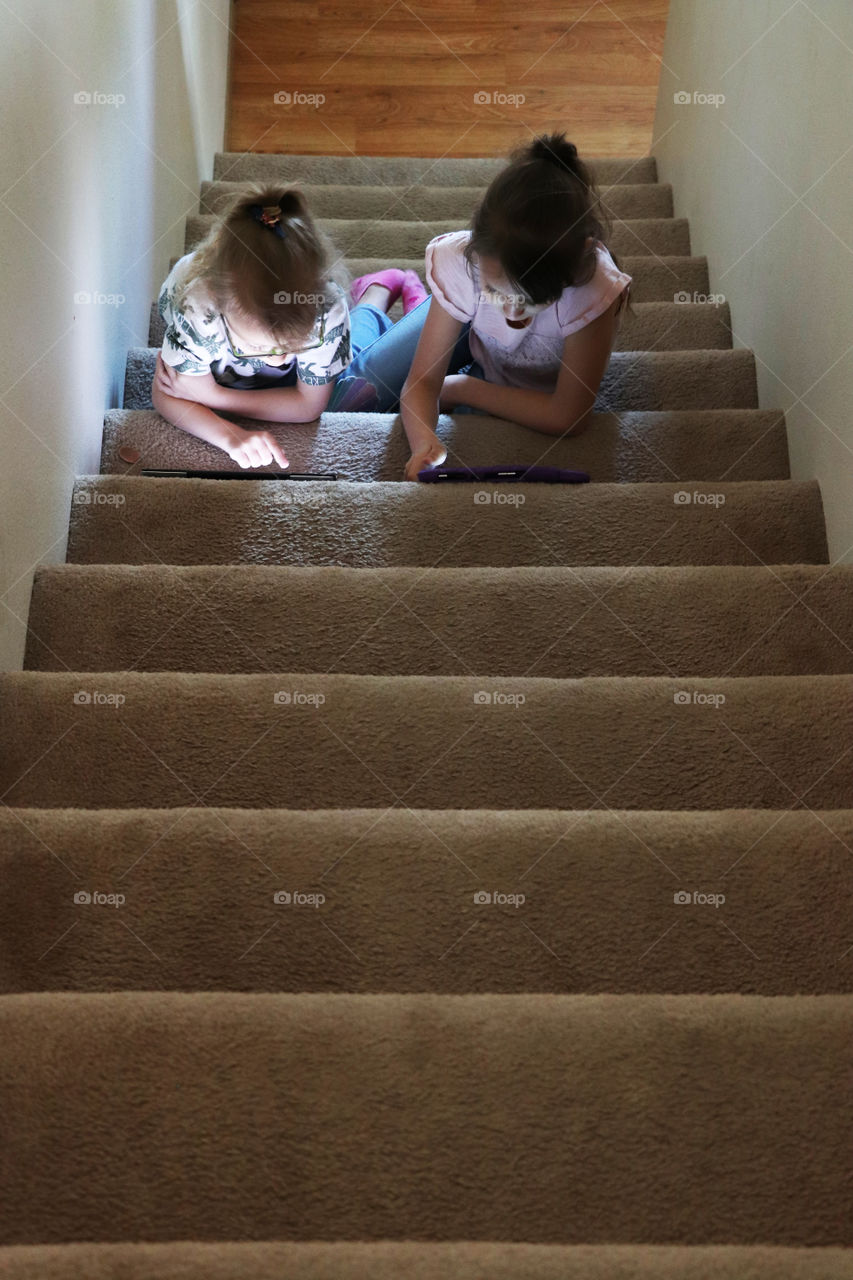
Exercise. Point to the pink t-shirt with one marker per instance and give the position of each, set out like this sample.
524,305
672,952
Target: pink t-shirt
528,357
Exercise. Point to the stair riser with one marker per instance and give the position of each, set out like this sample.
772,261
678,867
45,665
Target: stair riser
658,326
656,279
578,622
399,171
386,901
408,239
313,741
326,1117
132,521
410,203
633,381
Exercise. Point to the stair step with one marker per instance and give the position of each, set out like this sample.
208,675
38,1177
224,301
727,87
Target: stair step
385,900
138,520
422,1260
659,1119
578,622
699,444
661,326
409,238
633,380
130,739
413,202
655,279
402,170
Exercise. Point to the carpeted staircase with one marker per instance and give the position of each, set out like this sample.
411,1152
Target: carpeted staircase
408,881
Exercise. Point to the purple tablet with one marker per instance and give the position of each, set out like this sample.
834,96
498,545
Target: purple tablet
527,474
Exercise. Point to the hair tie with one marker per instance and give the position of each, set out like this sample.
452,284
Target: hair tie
268,215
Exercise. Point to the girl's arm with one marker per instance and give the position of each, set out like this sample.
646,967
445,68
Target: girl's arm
300,403
566,410
419,400
248,448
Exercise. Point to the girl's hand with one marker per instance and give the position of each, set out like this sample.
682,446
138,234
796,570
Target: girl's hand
430,454
254,449
202,388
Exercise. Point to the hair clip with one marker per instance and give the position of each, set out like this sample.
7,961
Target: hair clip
269,216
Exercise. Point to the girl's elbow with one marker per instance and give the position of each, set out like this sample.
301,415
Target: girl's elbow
574,424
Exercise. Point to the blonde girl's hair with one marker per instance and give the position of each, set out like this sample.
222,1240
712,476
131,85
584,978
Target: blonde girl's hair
536,217
265,259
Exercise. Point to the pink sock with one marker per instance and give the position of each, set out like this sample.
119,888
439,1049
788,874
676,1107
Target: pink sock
392,279
413,291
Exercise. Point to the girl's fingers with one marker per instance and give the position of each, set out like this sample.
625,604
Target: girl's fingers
278,452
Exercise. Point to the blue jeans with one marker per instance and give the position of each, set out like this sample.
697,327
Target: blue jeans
382,357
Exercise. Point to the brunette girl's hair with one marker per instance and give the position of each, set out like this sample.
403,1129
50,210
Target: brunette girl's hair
266,260
536,218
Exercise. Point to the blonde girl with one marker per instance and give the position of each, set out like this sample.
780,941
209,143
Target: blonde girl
255,326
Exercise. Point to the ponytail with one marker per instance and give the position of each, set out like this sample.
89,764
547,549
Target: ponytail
266,259
537,218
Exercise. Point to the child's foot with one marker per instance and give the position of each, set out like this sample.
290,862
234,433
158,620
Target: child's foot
413,292
391,279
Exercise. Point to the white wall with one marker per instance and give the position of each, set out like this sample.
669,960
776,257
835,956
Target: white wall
766,180
92,201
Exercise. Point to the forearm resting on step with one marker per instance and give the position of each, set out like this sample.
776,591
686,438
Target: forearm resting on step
196,419
542,410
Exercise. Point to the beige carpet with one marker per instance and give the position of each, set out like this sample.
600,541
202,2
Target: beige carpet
535,1118
389,1261
586,900
584,621
438,882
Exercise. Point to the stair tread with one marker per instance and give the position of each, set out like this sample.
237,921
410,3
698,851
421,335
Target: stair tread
695,444
422,1260
446,741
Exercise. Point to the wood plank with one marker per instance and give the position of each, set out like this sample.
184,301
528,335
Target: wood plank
404,79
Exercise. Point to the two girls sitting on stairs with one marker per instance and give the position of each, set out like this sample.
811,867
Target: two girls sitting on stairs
520,324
